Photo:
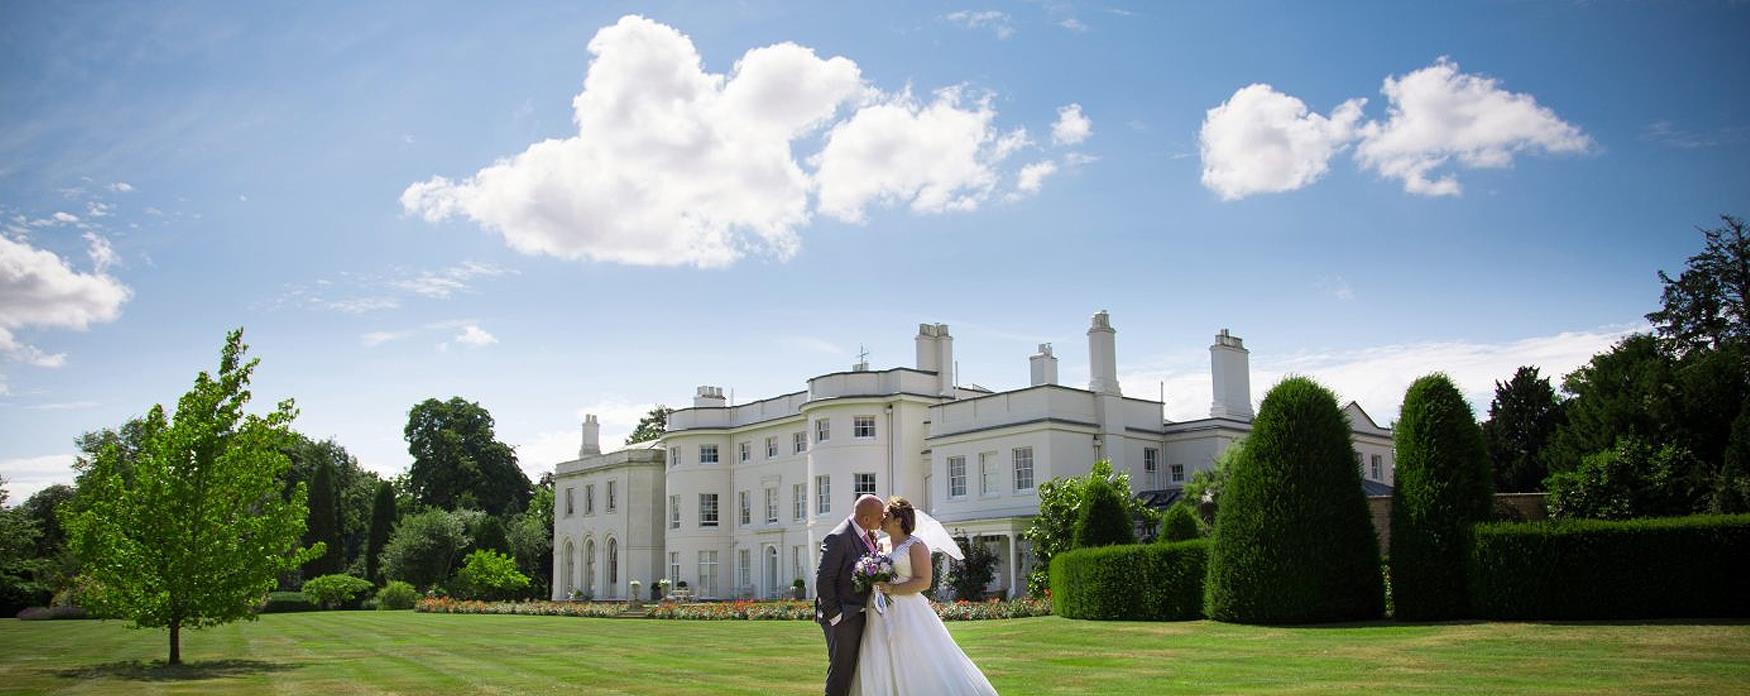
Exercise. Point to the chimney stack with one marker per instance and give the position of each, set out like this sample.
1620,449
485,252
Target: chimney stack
1044,366
928,359
592,437
1230,370
709,397
1103,356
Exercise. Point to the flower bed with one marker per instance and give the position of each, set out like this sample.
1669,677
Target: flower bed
446,605
739,610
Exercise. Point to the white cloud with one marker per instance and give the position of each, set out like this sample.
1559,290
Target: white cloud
356,305
998,22
1073,24
39,289
934,157
97,209
1031,178
671,166
445,282
25,476
1337,286
538,453
377,338
675,166
1071,127
1437,114
1377,376
1263,141
474,336
102,254
64,217
121,187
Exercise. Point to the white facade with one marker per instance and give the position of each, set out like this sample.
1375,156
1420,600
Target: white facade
735,507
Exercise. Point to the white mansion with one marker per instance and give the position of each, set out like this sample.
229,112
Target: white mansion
732,499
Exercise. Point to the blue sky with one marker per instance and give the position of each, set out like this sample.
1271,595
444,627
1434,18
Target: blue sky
403,201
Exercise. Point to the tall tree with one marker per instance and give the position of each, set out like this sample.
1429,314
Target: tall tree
19,564
42,507
322,526
531,538
1708,304
1523,417
193,531
355,489
1442,490
651,426
382,523
1629,390
458,462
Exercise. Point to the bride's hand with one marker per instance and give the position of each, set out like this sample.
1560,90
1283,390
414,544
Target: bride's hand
884,588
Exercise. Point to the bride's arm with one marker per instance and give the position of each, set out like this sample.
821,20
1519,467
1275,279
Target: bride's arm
921,568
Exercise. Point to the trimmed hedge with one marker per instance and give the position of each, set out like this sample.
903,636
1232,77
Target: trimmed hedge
1103,519
1593,569
1148,582
1444,487
284,602
1180,523
1294,540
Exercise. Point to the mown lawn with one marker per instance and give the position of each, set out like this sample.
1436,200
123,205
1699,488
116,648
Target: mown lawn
404,652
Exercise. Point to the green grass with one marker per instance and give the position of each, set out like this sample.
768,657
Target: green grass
404,652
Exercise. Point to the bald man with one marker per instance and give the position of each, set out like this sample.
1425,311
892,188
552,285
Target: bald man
837,606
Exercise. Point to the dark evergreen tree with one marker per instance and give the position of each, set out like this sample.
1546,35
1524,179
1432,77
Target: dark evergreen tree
1181,523
382,523
1523,416
1293,540
1442,490
323,525
1103,519
459,463
1708,305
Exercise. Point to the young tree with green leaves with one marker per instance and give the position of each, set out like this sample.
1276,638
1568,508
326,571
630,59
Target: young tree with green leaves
192,531
1442,490
1294,541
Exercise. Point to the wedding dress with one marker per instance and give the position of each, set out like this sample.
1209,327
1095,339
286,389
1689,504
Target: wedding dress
906,650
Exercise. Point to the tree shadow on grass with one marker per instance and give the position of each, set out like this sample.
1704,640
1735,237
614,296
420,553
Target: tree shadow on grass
158,671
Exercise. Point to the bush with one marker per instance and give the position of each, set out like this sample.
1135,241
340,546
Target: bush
490,575
1444,487
1591,569
969,577
1103,519
1632,480
397,595
331,591
284,602
1294,540
1180,524
53,613
1052,531
1151,582
423,547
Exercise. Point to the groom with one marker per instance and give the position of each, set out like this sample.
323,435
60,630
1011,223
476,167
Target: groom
837,607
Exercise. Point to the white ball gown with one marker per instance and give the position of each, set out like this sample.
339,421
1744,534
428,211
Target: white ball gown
907,651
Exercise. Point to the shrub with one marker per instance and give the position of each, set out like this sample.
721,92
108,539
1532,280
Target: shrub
1591,569
397,595
423,547
1633,479
490,575
283,602
1153,582
1052,531
53,613
1294,540
1444,487
1180,524
331,591
1103,519
969,577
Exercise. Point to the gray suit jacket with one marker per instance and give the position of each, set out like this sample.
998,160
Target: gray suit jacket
833,593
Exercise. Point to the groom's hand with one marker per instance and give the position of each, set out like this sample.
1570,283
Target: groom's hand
834,621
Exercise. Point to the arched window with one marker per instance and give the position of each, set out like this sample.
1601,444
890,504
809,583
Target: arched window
589,568
568,575
613,584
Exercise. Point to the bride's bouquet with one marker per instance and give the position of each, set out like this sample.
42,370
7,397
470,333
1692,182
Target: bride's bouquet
870,569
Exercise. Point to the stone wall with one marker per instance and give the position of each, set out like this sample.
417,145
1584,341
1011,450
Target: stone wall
1514,507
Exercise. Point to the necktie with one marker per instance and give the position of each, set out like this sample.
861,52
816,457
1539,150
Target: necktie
872,543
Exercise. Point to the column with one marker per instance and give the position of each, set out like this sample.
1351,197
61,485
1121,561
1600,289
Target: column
1014,565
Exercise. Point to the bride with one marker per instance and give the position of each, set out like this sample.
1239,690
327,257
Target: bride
906,649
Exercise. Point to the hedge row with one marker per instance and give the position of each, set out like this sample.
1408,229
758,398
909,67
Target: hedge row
1150,582
283,602
1591,569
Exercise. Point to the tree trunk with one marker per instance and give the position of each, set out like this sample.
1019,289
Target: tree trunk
176,642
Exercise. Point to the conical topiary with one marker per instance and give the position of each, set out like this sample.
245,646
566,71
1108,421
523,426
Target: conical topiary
1444,486
1293,541
1180,523
1103,519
